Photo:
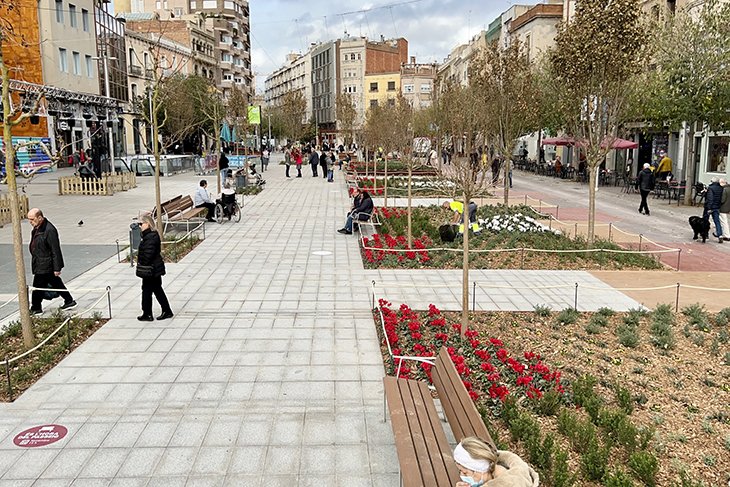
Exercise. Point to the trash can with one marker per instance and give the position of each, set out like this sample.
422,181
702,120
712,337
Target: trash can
135,237
241,181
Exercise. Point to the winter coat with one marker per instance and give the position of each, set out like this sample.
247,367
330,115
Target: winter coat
645,181
45,249
149,252
518,474
224,162
713,201
364,207
314,158
725,201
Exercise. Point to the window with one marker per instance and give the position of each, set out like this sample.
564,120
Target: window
717,149
358,57
391,102
226,58
352,57
226,39
158,5
131,57
59,11
391,85
134,90
227,77
373,103
409,88
178,12
72,16
229,5
146,60
164,4
63,59
373,88
425,88
85,19
77,63
89,66
210,4
193,5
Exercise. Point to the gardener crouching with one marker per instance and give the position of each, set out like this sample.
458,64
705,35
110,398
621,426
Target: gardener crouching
458,208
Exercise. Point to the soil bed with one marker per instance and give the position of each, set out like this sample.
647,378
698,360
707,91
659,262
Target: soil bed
676,399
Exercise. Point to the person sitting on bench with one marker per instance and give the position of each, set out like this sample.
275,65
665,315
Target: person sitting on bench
481,464
458,208
202,200
362,209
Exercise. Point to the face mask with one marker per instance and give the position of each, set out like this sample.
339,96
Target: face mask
471,481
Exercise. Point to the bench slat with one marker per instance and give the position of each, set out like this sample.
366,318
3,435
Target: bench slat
416,416
459,408
401,431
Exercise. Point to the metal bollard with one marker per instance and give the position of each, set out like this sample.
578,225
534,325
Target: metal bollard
610,227
575,306
641,236
679,255
10,384
522,264
474,297
68,334
600,262
109,300
676,303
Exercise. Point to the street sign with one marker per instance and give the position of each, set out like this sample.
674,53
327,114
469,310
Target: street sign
40,436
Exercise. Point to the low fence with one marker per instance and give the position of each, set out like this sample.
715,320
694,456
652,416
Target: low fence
107,185
5,208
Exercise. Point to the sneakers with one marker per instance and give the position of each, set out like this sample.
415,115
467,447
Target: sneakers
165,315
345,231
145,318
69,305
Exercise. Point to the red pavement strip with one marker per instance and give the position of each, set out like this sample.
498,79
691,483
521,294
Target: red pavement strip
695,256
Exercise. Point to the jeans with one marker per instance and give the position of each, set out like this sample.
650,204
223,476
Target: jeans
472,218
715,218
287,170
314,170
223,176
331,175
510,179
150,286
643,205
43,281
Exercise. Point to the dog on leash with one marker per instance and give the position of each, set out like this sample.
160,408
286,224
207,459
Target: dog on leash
700,226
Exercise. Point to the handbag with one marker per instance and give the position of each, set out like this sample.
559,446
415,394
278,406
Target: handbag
145,271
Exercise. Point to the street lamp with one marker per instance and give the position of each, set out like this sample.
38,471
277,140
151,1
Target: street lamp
108,117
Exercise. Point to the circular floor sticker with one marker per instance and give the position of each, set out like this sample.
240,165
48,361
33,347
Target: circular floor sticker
40,436
321,252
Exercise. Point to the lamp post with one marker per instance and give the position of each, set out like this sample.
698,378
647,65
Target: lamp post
108,117
269,116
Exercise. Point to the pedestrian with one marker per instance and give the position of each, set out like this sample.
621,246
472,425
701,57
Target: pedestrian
458,208
725,209
665,166
297,156
46,262
265,160
495,169
314,161
223,167
713,203
202,200
326,154
645,185
151,268
287,160
330,167
480,463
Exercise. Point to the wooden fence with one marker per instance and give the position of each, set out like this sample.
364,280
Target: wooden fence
108,184
5,208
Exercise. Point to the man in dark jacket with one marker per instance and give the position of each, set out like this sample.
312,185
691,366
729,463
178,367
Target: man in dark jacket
46,261
314,161
223,167
645,185
713,201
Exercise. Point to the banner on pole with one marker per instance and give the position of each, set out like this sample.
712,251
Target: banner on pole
254,115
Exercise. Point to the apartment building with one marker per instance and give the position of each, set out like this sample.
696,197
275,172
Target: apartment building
455,68
324,89
417,83
353,55
296,74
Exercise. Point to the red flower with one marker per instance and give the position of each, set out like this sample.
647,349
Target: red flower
474,396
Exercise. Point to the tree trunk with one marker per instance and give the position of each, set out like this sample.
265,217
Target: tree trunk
410,232
465,272
689,175
507,169
385,183
158,202
592,180
23,303
217,133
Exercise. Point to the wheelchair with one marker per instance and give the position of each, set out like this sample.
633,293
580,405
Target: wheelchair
227,207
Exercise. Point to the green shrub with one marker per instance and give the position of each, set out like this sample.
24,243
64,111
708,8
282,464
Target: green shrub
561,473
623,397
524,427
583,389
645,467
698,339
540,453
722,317
606,312
510,410
598,320
727,443
548,404
628,336
662,334
13,330
594,461
543,310
618,478
592,328
723,336
567,317
567,423
663,312
715,347
709,460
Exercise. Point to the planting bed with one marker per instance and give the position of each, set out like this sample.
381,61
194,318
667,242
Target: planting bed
617,399
503,228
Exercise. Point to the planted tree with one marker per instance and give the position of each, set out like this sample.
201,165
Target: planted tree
293,111
691,82
594,72
346,115
208,102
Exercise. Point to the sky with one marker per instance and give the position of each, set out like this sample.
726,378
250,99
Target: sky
432,27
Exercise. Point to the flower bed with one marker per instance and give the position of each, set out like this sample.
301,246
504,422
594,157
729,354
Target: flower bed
588,399
515,227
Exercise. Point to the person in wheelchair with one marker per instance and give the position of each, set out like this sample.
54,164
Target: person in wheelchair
227,199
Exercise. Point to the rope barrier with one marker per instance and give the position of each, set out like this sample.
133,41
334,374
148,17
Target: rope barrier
9,301
64,290
527,249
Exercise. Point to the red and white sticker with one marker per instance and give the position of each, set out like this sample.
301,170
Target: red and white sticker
40,436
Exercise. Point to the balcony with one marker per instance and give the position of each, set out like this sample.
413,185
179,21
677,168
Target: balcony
136,71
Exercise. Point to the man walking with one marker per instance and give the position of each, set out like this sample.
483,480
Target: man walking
725,209
314,161
713,202
46,262
645,184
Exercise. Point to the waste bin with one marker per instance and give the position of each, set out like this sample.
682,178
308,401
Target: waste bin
135,237
240,181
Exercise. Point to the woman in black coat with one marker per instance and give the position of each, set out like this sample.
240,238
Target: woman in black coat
151,268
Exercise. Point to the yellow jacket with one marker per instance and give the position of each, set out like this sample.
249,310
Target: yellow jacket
665,165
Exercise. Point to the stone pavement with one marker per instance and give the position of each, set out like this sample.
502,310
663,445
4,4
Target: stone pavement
270,372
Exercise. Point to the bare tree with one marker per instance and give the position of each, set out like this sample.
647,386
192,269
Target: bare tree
346,115
594,69
212,112
293,110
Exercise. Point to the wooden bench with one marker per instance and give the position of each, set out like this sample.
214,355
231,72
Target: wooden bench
164,205
180,211
424,454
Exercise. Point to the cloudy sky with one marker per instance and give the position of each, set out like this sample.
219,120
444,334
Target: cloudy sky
432,27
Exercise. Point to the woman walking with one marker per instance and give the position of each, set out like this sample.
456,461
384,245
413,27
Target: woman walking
151,268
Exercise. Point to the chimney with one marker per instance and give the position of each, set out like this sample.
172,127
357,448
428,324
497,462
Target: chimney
413,59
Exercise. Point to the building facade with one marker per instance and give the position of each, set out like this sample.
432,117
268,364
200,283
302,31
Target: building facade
296,74
382,89
455,68
353,52
417,83
324,89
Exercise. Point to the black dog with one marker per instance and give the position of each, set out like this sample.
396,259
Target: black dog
700,226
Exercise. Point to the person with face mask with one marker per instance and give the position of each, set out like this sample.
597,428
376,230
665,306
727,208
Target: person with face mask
480,464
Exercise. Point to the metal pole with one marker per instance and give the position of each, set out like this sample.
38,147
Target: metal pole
557,212
540,208
550,221
108,117
575,306
68,334
679,254
676,303
373,294
474,297
522,264
610,228
641,236
10,385
600,264
109,300
525,200
576,229
119,259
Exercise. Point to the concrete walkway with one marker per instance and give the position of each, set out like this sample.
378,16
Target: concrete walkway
270,372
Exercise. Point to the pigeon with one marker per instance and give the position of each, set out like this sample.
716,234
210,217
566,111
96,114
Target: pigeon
81,223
